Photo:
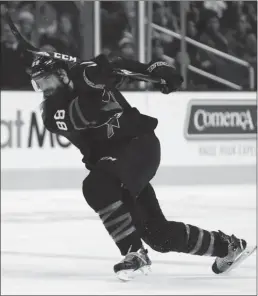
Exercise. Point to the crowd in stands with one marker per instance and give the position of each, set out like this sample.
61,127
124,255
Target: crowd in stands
228,26
47,25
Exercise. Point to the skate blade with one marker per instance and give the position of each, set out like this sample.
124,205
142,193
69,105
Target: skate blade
244,255
129,274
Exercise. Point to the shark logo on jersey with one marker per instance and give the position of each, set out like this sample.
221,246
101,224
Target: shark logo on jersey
111,123
111,104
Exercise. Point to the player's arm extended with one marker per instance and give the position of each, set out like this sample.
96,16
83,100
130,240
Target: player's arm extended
129,64
101,75
158,69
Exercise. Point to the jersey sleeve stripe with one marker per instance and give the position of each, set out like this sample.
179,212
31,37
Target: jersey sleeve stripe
71,108
91,84
79,112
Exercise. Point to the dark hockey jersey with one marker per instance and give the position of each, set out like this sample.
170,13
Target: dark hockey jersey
93,117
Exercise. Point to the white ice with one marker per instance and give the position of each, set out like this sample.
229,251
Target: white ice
53,243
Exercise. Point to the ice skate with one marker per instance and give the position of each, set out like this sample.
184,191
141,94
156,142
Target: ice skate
132,264
237,252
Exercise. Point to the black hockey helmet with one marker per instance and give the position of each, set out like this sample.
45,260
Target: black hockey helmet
43,67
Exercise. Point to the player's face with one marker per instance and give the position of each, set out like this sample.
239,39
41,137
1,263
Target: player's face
47,84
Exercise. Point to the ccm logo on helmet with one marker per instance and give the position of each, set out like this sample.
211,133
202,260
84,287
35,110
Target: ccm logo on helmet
64,57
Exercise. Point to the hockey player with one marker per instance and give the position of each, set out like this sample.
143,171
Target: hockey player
122,153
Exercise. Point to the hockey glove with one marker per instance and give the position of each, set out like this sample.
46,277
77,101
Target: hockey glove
168,73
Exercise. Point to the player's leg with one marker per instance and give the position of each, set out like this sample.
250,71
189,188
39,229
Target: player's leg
133,166
165,236
103,193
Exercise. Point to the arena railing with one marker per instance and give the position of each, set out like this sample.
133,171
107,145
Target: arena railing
216,52
208,75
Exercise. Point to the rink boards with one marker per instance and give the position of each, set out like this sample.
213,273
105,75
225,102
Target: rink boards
206,138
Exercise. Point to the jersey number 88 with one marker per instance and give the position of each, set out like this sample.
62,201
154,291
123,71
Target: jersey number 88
59,115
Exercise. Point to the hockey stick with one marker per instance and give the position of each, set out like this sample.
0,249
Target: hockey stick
67,58
25,44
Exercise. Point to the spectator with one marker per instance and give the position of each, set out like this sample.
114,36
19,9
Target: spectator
192,50
8,40
212,35
251,49
26,22
250,8
194,12
158,52
163,16
47,25
12,71
65,34
217,6
126,50
126,47
58,29
191,29
56,43
237,37
251,55
114,22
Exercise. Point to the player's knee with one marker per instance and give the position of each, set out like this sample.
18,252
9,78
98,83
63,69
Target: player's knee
100,189
175,238
170,236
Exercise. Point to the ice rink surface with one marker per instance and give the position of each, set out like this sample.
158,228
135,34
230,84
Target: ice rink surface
53,243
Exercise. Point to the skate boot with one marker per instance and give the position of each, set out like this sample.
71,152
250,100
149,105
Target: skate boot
237,252
132,264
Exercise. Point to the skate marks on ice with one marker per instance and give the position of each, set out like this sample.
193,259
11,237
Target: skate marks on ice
52,243
89,274
93,275
183,263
